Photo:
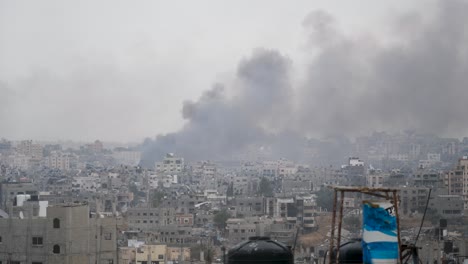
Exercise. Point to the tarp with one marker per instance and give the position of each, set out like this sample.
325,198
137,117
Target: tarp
380,238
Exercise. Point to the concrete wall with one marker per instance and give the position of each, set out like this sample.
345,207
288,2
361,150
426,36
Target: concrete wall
81,239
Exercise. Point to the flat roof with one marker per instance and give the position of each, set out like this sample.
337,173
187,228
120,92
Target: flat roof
363,189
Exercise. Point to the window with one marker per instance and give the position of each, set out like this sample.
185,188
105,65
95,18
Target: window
35,262
107,236
56,249
160,256
37,241
56,223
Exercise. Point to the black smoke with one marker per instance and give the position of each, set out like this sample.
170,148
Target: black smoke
355,85
218,126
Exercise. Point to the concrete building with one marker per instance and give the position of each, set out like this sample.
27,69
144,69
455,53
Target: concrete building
9,191
174,234
413,199
287,169
175,254
240,229
448,206
19,161
309,212
427,178
96,147
204,171
170,164
269,169
375,178
150,219
67,235
127,255
58,160
457,180
146,254
59,185
248,206
86,183
354,173
295,187
27,148
127,157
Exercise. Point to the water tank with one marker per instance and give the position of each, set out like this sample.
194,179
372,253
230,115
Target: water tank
350,252
260,250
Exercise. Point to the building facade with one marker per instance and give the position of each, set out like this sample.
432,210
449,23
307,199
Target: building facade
67,235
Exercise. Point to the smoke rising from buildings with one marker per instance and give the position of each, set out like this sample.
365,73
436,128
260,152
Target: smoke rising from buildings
354,85
220,123
416,83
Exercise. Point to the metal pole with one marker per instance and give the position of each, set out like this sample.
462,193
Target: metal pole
395,204
340,220
332,235
439,258
224,254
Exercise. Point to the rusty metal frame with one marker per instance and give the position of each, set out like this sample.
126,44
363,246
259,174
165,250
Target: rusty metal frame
378,192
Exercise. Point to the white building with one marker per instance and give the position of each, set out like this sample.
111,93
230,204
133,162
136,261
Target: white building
127,157
20,161
170,164
399,157
432,158
353,161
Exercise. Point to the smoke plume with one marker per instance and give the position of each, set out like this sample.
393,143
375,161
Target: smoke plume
219,125
354,85
418,83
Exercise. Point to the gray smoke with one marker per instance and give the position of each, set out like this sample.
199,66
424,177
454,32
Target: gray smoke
218,125
354,85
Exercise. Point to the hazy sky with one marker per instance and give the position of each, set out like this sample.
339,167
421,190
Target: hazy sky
121,70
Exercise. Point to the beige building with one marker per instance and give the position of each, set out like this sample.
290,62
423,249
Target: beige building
151,254
67,235
178,254
26,147
146,254
457,180
58,160
127,255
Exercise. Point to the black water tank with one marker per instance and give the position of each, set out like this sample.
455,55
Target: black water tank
350,252
260,250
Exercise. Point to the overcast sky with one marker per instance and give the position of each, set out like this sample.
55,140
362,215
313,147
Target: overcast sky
121,70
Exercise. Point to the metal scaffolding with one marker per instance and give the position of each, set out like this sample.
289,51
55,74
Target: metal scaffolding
386,193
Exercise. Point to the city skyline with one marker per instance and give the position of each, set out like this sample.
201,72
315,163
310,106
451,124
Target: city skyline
86,79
